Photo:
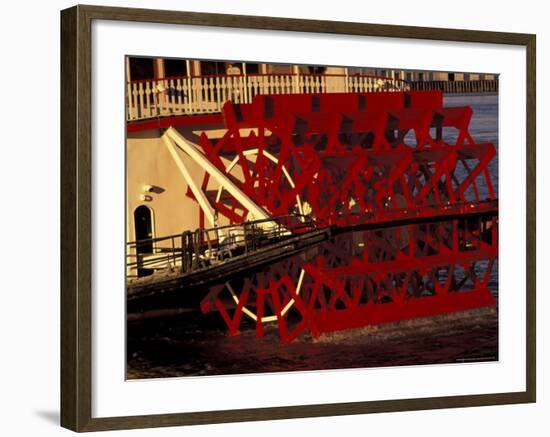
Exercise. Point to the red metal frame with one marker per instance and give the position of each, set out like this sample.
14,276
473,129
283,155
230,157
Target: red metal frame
359,159
322,150
405,272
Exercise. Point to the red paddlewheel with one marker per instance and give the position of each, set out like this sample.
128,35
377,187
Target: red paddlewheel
404,273
270,295
368,277
352,160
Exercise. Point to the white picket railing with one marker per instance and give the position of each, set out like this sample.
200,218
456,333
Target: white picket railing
207,94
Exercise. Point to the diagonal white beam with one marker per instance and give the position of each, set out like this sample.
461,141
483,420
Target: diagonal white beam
197,192
187,147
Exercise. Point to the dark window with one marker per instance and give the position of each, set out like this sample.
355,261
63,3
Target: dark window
451,77
142,68
175,67
209,68
317,69
252,68
420,77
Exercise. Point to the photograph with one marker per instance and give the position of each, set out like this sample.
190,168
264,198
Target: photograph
289,217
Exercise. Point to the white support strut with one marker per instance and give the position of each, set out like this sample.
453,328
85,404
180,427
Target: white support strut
255,211
197,192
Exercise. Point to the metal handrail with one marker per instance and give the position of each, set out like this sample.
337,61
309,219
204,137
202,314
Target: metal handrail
190,250
203,247
305,219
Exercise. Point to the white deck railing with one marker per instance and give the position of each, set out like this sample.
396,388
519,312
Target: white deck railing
207,94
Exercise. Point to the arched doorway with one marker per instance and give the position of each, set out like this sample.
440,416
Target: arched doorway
143,227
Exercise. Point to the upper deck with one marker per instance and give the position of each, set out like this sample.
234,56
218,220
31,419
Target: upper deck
183,95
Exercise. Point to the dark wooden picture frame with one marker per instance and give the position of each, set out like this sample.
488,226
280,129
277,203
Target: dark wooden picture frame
76,217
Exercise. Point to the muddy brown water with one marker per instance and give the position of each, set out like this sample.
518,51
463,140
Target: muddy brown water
180,348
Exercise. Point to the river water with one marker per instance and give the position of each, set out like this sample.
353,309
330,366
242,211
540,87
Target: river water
194,344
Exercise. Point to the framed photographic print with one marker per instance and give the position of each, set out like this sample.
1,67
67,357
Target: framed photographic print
289,218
